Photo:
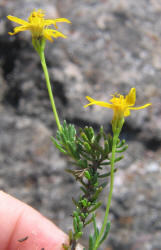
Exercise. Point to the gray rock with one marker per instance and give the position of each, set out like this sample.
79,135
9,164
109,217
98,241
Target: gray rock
111,47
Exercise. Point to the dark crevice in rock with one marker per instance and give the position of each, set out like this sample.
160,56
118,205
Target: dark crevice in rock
120,246
153,144
59,91
9,51
121,202
82,123
57,86
121,16
12,96
129,133
115,214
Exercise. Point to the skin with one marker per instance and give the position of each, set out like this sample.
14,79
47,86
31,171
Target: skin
18,221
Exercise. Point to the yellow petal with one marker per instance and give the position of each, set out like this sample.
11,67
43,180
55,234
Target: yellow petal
127,112
48,22
102,104
131,97
39,13
141,107
17,20
54,21
99,103
18,29
90,99
49,33
57,34
57,20
64,20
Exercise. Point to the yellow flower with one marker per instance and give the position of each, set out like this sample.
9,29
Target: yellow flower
121,106
38,26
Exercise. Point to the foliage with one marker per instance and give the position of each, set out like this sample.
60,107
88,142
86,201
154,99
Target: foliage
90,153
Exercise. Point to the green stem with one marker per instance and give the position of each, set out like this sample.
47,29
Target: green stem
115,138
43,63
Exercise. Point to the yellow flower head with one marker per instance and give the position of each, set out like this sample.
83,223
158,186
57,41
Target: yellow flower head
121,105
38,26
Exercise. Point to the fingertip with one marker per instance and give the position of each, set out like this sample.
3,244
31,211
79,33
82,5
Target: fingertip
24,228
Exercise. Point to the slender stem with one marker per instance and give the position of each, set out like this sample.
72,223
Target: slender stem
110,193
43,63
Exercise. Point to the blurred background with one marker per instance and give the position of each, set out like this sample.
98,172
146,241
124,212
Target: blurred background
112,45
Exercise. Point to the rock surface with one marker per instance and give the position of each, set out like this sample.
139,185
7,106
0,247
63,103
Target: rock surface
111,47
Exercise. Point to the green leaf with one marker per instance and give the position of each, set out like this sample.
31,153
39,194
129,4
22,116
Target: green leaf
120,144
83,216
88,222
91,132
75,224
91,242
88,203
95,207
80,226
85,155
58,135
107,174
104,184
122,150
104,175
98,191
78,235
87,175
75,213
87,132
105,163
75,202
58,146
105,233
94,179
71,131
110,142
84,190
72,150
84,202
63,138
97,138
84,137
96,231
87,146
99,167
70,233
106,147
83,163
119,158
